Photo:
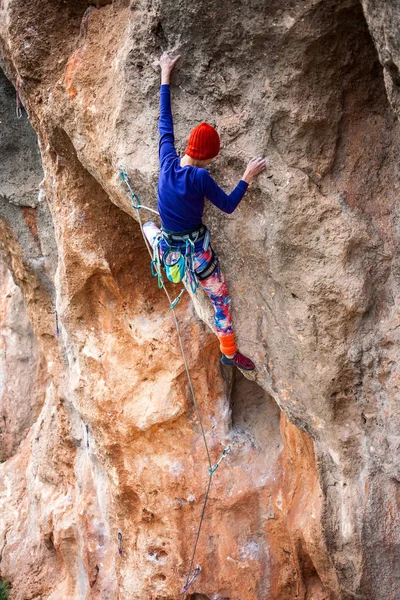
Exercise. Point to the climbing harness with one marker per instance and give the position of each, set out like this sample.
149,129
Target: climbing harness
178,256
156,264
177,261
195,235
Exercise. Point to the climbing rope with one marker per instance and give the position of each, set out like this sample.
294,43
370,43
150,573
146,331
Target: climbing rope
136,204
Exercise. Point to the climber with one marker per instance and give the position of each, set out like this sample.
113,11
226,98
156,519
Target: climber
182,186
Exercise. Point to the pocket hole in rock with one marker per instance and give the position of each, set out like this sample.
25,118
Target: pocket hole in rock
255,413
157,555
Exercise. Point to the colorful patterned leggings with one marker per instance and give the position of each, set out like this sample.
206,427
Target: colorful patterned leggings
215,287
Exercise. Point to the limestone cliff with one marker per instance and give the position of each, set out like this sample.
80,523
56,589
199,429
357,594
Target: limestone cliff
98,433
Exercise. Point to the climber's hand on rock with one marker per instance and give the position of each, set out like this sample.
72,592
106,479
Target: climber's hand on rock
167,63
255,166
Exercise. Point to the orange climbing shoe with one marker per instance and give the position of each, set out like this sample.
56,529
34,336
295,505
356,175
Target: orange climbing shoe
240,361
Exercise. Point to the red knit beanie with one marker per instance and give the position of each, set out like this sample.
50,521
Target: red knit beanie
203,142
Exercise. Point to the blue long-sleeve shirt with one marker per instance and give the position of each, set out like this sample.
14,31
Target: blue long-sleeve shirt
181,190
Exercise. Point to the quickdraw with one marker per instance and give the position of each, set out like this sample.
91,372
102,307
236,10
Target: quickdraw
196,572
136,204
224,454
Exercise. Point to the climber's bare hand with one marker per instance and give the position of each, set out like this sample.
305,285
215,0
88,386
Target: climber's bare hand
167,63
255,166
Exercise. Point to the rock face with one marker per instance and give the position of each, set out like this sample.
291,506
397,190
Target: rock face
98,435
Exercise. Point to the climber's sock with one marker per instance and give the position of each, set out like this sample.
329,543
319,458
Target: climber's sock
227,343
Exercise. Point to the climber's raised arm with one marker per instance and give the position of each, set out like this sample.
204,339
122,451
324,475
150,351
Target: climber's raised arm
165,124
228,202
